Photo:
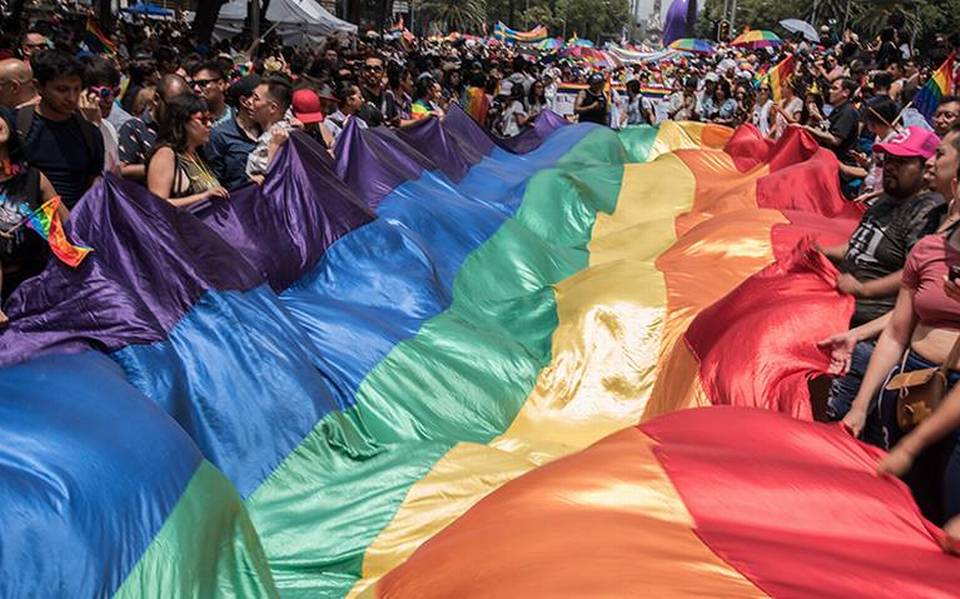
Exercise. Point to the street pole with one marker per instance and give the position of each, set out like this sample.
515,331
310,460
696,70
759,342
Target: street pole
255,22
733,15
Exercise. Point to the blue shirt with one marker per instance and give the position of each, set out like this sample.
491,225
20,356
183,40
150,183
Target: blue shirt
227,153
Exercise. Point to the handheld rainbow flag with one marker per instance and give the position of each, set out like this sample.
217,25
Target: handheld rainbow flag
777,77
96,40
45,220
504,33
939,85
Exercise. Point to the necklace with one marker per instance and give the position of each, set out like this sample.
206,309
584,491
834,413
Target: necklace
201,172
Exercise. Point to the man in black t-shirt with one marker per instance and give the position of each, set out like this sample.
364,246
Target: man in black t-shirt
56,139
844,120
872,259
374,97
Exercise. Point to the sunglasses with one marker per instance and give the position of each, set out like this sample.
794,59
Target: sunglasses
105,91
202,83
204,120
372,67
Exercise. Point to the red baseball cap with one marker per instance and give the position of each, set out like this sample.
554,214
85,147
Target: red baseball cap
306,106
914,141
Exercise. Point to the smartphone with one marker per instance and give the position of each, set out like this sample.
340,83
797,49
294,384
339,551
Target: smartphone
955,273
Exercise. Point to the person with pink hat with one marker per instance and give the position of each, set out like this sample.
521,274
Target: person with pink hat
872,260
308,109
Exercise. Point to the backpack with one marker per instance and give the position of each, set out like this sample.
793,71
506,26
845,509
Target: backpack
24,122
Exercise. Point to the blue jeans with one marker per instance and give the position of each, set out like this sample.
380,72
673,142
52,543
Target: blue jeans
935,476
844,389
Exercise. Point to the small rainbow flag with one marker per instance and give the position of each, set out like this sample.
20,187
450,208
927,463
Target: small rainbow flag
420,110
939,85
504,33
98,41
777,77
45,220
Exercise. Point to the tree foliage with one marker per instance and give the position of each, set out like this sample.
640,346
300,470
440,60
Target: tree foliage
866,17
452,15
587,18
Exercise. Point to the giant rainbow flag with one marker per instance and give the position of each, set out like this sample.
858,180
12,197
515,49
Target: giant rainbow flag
440,365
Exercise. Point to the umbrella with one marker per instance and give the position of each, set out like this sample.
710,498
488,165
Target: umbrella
689,44
551,43
757,38
798,26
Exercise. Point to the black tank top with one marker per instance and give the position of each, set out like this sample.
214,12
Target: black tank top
24,253
597,115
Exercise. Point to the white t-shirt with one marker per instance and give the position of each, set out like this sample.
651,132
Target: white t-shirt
761,117
510,127
793,107
111,146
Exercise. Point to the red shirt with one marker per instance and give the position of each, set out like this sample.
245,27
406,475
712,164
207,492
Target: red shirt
927,264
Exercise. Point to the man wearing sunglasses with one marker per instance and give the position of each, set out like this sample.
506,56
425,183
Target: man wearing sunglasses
101,80
371,79
208,81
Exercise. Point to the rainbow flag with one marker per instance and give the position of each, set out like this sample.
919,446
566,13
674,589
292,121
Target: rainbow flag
504,33
420,110
45,220
940,84
777,77
96,40
478,105
440,363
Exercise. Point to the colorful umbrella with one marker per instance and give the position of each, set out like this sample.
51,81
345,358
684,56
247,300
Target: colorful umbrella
551,43
757,38
689,44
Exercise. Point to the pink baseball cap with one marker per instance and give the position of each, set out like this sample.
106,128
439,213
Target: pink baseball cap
915,141
307,107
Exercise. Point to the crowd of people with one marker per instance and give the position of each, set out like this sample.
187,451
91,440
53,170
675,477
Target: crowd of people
193,125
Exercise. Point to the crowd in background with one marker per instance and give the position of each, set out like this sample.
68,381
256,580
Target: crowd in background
191,124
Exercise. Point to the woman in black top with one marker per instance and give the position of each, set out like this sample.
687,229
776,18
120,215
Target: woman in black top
23,190
177,170
592,104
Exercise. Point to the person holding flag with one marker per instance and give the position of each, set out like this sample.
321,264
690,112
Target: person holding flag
940,84
26,197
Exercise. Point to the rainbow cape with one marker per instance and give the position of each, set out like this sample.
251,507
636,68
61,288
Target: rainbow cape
440,365
45,220
940,84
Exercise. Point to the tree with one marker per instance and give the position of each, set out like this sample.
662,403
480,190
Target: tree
866,17
452,15
593,19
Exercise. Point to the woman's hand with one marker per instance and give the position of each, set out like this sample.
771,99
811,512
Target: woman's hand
898,462
840,347
217,192
855,419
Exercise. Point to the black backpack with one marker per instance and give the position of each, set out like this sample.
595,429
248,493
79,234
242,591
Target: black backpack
24,122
